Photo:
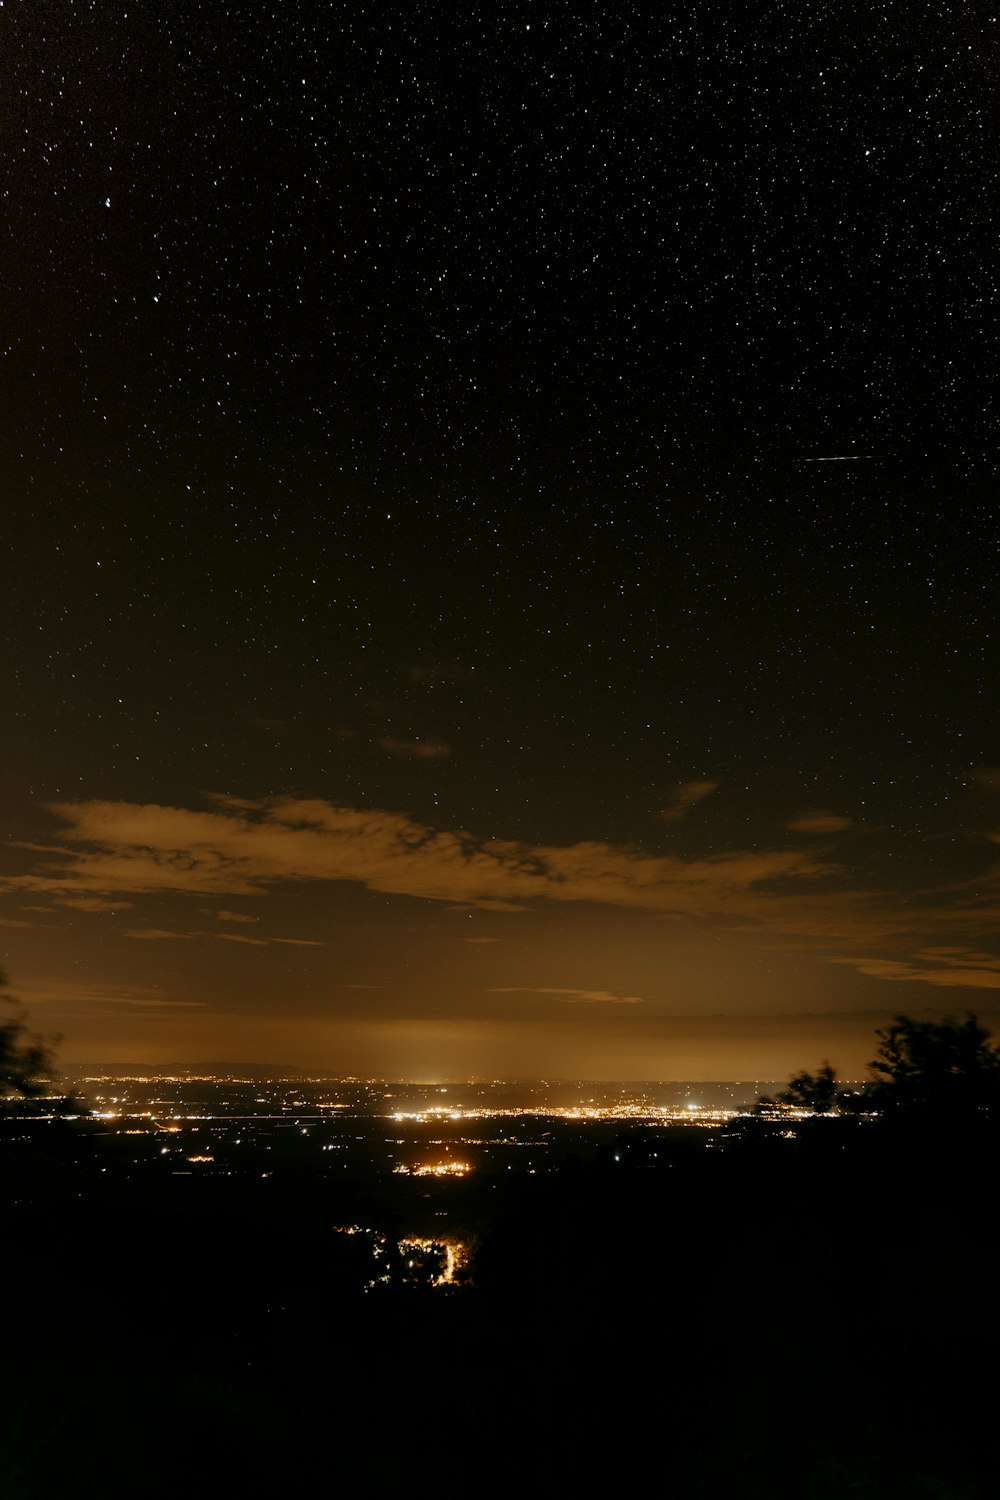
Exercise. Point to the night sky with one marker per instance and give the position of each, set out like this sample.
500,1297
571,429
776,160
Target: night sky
500,532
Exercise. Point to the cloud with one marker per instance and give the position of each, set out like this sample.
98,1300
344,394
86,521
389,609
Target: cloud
481,940
686,796
227,916
415,749
570,996
94,903
164,934
819,822
950,967
159,1003
958,955
482,904
246,847
155,934
82,996
14,922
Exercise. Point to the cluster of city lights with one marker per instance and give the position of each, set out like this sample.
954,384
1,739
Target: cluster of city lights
455,1252
590,1112
411,1256
435,1169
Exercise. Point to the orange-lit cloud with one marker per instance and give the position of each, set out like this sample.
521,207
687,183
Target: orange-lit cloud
244,847
155,934
819,822
227,916
94,903
82,996
686,796
796,895
950,967
570,996
164,934
415,749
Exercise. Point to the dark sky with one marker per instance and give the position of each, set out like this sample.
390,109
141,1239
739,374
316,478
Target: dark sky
499,515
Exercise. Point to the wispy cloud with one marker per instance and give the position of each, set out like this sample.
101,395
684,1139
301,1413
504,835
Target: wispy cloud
94,903
819,822
164,934
687,795
83,995
415,749
227,916
570,995
156,934
950,967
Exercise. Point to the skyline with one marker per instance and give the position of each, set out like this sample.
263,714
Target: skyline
501,537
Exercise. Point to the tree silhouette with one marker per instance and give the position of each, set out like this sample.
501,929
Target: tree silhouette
943,1065
25,1060
815,1091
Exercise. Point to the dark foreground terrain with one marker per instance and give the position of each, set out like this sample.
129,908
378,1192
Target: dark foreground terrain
809,1317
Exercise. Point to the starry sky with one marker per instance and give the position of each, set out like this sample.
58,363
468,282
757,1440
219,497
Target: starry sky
499,518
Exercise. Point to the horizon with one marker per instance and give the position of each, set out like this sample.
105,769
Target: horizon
213,1070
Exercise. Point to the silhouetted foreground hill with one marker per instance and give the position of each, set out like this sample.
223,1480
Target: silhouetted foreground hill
810,1318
